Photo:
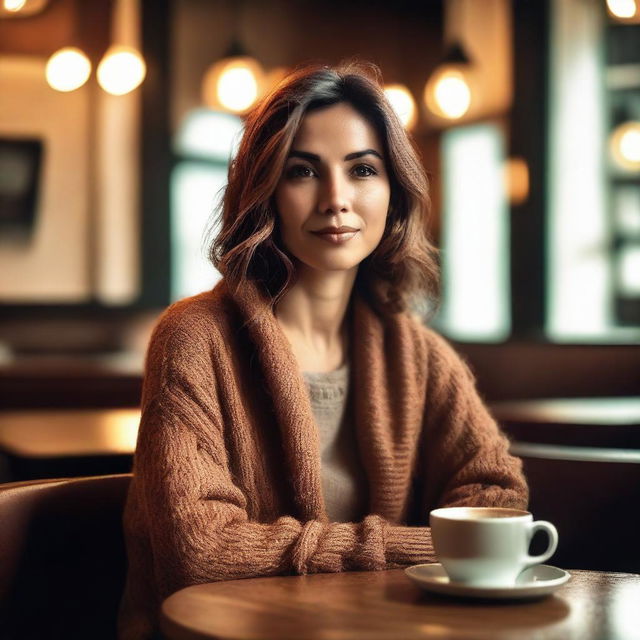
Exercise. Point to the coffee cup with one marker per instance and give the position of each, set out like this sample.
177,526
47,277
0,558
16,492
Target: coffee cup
487,546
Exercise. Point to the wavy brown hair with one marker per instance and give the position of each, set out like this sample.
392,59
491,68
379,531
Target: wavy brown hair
403,268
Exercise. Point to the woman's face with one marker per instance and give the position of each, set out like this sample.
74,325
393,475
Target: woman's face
333,195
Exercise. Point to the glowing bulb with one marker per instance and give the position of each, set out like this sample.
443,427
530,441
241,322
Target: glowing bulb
233,84
67,69
448,94
121,70
625,146
630,145
453,95
237,89
403,104
622,8
14,5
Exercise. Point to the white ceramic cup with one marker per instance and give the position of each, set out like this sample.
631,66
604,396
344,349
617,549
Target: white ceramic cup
487,546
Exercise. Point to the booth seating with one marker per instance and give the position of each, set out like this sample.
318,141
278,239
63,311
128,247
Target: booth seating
62,557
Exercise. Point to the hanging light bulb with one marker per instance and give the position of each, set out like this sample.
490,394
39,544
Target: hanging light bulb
622,8
448,91
21,8
14,5
67,69
403,104
238,86
624,145
233,84
237,80
121,70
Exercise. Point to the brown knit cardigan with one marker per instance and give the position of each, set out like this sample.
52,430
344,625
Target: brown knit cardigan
227,479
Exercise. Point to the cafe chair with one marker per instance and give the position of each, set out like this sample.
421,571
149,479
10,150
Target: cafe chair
62,557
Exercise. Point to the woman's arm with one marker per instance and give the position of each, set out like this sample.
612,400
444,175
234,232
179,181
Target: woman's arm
467,456
196,515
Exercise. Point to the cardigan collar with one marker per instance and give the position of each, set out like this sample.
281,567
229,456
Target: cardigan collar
385,382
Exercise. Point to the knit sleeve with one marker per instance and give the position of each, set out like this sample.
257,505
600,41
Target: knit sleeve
196,515
467,456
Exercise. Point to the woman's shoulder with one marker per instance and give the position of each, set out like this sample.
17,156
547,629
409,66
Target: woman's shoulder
192,320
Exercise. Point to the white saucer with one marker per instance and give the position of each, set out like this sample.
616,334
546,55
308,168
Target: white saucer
536,581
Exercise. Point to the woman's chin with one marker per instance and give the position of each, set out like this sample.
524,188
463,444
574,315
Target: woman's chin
332,266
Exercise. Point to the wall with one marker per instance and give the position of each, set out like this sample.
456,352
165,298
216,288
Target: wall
84,246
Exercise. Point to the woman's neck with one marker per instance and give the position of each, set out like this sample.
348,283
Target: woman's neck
312,317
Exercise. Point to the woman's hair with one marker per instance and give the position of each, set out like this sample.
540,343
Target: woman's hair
403,268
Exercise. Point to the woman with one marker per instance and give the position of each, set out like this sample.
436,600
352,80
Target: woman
299,418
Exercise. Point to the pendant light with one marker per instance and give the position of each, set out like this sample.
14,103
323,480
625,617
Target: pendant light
623,9
403,104
624,145
235,82
122,69
448,92
21,8
68,68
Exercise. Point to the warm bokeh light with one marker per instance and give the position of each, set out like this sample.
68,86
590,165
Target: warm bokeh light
67,69
233,84
14,5
516,175
237,88
622,8
630,145
625,146
121,70
403,104
448,93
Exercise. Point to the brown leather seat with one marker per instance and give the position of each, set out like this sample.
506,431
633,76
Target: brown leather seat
62,557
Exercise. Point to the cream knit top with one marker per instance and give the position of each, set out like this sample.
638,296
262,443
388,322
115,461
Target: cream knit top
343,477
227,478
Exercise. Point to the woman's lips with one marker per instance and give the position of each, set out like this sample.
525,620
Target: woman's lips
335,237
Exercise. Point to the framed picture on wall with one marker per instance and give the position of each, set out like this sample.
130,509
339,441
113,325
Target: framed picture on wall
20,180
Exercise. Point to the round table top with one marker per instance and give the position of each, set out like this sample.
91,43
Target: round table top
384,605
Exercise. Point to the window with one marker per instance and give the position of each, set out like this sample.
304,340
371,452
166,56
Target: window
205,143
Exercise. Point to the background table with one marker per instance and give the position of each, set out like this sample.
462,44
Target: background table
581,457
49,443
384,605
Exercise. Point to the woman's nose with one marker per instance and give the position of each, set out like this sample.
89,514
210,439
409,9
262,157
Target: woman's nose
335,194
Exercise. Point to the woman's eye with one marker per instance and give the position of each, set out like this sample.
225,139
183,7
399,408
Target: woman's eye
364,171
300,171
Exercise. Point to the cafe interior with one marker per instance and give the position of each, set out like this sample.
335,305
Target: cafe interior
118,119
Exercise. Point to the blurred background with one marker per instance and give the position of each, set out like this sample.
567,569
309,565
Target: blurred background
117,122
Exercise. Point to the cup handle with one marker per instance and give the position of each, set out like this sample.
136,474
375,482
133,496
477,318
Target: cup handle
552,533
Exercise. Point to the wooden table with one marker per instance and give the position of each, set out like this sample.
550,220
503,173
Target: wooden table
386,605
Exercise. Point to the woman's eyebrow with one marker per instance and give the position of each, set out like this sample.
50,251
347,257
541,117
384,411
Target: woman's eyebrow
359,154
314,157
